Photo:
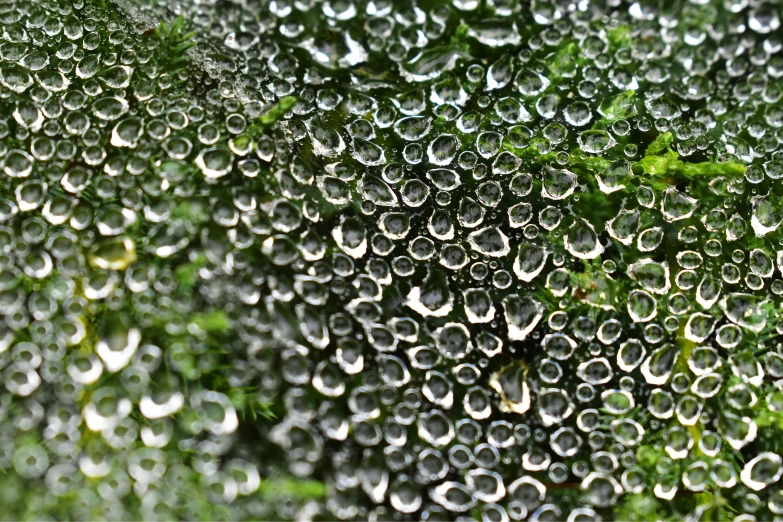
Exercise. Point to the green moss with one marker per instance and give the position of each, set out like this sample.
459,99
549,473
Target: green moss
273,113
215,321
187,274
620,107
301,489
175,40
659,144
661,161
619,37
563,63
639,506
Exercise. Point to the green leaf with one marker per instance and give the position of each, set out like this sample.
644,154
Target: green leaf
619,36
533,151
729,168
647,456
303,489
274,113
278,110
594,164
621,107
670,164
638,506
659,160
215,321
563,63
660,165
191,211
660,144
263,409
593,286
460,38
187,274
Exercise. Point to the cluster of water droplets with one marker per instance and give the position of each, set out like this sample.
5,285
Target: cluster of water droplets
505,259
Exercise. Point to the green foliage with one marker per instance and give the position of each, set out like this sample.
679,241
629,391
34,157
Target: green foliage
249,406
639,506
215,321
460,39
300,489
187,274
273,113
594,287
619,37
709,507
595,164
534,152
660,165
621,107
277,111
175,41
659,144
190,211
670,165
563,63
647,456
661,161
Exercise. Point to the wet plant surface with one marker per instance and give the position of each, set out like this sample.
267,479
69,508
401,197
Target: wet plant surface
470,259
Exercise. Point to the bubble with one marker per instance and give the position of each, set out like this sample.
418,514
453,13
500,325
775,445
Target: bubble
214,162
761,471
